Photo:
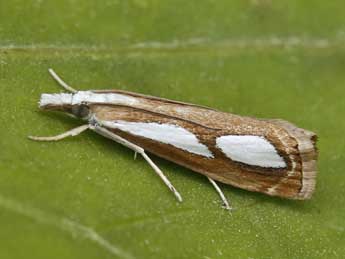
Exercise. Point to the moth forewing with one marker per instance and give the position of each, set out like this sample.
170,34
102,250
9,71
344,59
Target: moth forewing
257,155
270,156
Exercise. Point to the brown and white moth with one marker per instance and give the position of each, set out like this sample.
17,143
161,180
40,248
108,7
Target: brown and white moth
270,156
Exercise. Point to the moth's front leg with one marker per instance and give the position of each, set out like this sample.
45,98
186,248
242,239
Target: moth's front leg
70,133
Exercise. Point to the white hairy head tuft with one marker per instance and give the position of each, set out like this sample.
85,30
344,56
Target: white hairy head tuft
55,99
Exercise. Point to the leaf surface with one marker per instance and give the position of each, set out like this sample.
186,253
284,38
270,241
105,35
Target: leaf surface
85,197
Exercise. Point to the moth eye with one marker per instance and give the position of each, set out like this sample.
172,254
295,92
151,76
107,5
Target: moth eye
80,111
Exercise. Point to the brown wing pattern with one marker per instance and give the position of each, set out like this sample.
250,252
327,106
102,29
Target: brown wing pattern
296,146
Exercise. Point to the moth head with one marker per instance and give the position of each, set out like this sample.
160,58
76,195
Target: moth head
64,102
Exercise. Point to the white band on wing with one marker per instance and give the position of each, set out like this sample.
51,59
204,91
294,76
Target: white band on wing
251,150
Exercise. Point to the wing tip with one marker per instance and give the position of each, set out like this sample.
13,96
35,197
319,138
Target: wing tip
308,152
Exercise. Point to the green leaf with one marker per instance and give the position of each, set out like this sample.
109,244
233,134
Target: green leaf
85,197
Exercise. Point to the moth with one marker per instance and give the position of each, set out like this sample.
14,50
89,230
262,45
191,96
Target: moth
270,156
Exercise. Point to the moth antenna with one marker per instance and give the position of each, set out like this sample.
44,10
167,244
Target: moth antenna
221,194
61,82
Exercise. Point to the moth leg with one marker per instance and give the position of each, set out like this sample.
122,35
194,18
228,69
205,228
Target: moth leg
108,134
221,194
61,82
70,133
